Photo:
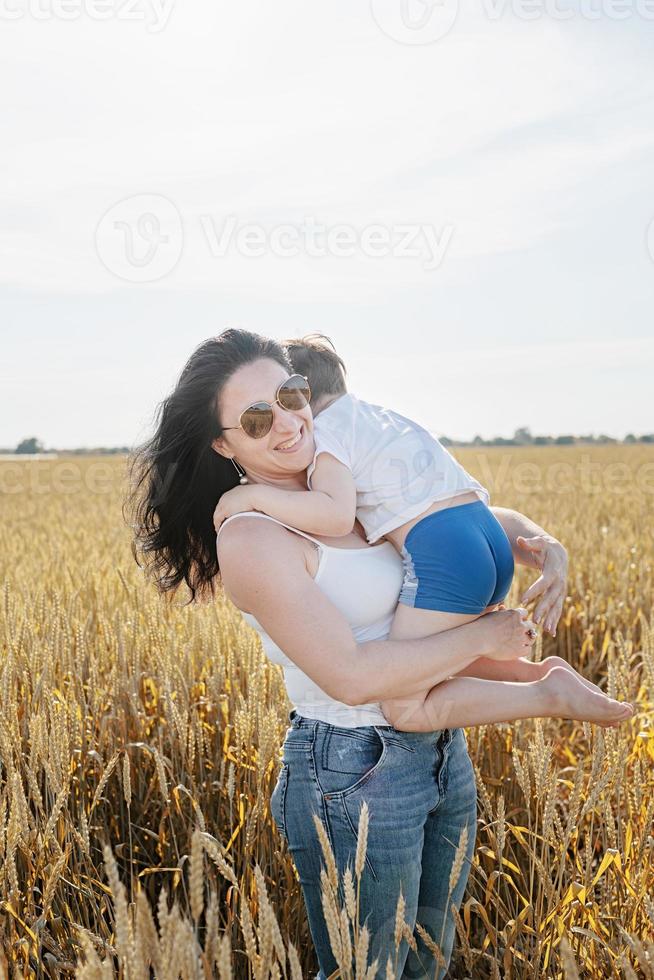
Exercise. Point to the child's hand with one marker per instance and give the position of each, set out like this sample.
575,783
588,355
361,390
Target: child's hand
232,502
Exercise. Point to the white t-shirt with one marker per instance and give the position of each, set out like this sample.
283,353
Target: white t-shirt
399,468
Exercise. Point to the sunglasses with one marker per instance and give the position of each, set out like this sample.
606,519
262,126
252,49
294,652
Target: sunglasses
292,394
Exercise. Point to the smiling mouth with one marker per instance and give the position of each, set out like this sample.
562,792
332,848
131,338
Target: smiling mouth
292,443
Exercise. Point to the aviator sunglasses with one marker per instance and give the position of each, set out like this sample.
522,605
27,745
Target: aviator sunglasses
292,394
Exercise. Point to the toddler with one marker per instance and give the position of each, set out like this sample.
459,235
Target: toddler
402,484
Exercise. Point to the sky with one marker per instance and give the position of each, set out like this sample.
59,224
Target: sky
460,194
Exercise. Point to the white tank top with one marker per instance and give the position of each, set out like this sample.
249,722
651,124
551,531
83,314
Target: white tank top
364,583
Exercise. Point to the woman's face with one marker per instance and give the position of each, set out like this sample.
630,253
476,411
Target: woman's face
264,459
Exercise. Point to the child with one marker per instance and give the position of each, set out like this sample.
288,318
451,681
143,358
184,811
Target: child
403,484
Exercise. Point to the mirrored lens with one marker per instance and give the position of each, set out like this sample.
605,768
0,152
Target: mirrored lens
257,420
295,393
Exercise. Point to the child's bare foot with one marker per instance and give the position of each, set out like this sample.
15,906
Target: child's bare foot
550,662
537,669
555,661
572,698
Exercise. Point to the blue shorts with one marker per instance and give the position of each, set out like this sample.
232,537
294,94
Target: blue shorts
457,560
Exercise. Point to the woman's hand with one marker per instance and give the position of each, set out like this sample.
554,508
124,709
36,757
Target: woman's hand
550,556
512,634
232,502
534,547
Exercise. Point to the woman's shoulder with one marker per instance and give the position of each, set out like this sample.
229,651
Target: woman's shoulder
252,553
242,529
247,548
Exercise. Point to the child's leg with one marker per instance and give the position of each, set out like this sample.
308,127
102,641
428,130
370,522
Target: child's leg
451,573
520,669
430,710
457,564
503,681
465,701
410,624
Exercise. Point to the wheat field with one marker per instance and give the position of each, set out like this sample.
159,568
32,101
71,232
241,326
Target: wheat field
140,741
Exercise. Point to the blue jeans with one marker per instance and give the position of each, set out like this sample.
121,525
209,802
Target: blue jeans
421,793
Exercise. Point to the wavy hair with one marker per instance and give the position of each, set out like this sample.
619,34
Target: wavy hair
176,478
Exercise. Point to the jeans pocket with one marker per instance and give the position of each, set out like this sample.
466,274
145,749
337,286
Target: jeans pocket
460,782
346,762
278,800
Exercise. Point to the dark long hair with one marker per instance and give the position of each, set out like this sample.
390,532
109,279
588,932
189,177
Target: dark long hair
176,478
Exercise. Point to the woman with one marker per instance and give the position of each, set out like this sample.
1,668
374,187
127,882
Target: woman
329,613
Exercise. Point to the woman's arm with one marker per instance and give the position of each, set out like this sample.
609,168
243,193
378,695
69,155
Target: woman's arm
534,547
264,573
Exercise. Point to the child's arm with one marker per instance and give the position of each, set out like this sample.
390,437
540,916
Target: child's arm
329,508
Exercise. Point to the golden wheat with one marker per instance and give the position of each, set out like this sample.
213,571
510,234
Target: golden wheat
138,738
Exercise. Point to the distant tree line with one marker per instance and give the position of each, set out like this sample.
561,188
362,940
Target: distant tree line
33,445
521,437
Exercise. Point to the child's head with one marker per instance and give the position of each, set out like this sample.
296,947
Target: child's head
314,356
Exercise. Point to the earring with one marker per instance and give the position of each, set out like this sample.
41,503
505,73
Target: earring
242,477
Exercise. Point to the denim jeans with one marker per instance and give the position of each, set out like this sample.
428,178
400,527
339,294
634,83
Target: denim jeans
421,793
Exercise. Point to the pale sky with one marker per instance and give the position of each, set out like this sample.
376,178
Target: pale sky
170,169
